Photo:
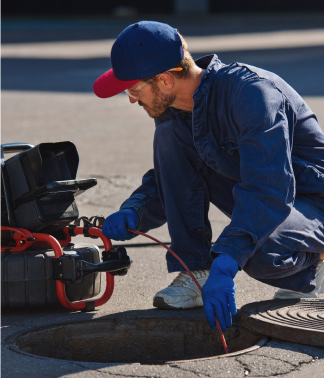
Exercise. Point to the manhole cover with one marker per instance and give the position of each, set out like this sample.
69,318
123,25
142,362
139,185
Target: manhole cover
296,320
142,339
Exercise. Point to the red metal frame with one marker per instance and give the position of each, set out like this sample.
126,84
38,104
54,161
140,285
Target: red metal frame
24,239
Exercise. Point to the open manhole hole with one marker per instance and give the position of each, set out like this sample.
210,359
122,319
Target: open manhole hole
296,320
134,340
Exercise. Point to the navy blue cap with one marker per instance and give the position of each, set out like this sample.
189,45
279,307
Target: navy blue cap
144,49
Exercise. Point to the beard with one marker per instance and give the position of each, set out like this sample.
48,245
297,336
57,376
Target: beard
160,103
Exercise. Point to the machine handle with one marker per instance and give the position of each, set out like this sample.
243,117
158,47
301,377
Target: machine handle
9,148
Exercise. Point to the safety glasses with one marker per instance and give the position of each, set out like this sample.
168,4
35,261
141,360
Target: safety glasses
137,92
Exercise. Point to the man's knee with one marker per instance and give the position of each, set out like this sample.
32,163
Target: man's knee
270,261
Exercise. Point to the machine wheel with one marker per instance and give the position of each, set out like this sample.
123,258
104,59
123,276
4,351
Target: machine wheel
27,277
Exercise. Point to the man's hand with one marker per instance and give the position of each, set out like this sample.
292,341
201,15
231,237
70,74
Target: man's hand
218,293
115,226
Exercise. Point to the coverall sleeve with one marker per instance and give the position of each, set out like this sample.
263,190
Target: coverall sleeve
264,196
146,201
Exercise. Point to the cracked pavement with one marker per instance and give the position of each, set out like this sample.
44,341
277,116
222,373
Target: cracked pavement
48,99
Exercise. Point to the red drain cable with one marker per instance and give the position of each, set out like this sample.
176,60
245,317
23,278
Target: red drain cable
190,274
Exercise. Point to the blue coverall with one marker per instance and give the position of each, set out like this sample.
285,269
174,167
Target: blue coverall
253,148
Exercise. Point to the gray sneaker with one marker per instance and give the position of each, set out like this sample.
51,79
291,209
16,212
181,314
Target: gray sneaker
319,289
183,292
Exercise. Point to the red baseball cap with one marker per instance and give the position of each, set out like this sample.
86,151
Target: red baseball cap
107,85
144,49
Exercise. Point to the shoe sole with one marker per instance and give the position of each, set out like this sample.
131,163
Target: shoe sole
159,302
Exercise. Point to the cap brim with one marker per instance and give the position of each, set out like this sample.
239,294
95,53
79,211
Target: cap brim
107,85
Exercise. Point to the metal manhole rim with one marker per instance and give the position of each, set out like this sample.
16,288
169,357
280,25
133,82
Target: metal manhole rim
261,343
9,343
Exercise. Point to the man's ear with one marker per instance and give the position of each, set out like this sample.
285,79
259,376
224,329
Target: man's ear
166,80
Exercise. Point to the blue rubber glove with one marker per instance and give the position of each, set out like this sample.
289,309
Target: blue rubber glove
115,226
218,293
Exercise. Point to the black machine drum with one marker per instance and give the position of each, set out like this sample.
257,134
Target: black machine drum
27,277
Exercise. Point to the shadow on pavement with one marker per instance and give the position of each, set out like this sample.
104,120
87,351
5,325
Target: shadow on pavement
302,68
